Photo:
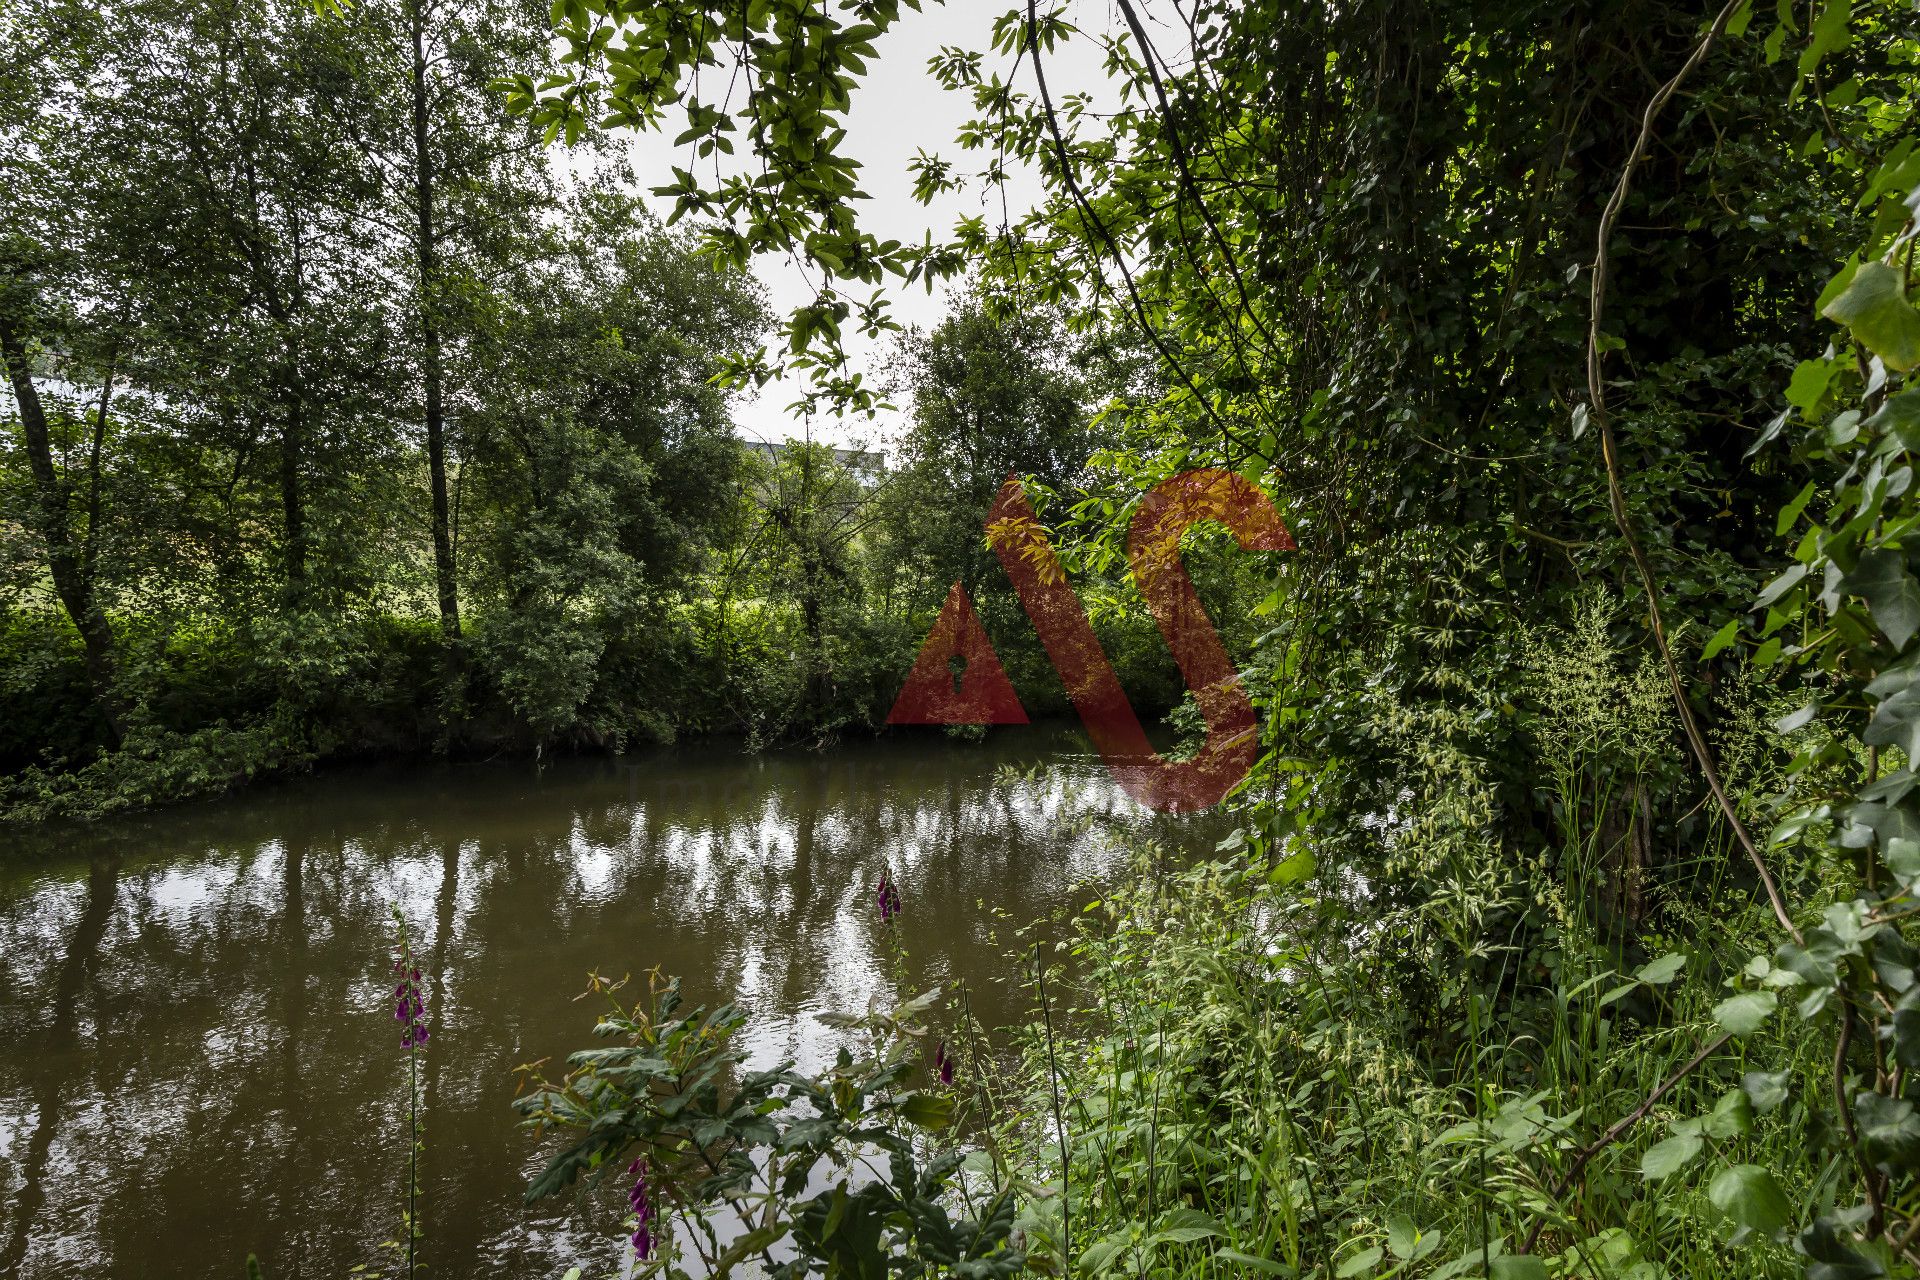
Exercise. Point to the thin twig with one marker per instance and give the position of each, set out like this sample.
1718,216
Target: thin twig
1876,1225
1620,1126
1093,223
1616,493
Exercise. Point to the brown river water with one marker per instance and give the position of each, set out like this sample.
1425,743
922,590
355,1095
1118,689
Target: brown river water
198,1058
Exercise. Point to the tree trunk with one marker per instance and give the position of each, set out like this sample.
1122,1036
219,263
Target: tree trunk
426,261
71,580
292,504
293,433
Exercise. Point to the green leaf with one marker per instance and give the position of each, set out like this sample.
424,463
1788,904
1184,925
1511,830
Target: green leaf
1796,719
1664,1159
1809,384
1662,971
1745,1013
1831,33
1780,586
1721,639
1889,1130
1731,1117
1360,1262
1748,1195
1899,417
1766,1089
1880,578
927,1110
1791,512
1519,1266
1896,721
1837,285
1876,311
1406,1241
1294,868
1265,1266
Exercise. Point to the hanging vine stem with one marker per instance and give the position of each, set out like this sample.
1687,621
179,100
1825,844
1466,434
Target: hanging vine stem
1616,494
1090,218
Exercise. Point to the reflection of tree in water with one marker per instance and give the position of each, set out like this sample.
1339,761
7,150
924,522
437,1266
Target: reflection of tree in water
52,1054
241,1089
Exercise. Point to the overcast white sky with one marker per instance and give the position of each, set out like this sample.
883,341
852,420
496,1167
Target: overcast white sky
897,110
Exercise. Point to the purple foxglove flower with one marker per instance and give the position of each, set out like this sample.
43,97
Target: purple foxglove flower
642,1206
942,1064
410,1007
888,898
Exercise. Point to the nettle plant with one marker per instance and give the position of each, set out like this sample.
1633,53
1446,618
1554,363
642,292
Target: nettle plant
771,1172
1847,613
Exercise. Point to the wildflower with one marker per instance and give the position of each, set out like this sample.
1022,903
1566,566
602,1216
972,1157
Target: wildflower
942,1064
888,898
642,1209
410,1006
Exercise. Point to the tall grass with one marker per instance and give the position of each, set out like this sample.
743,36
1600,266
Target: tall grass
1259,1073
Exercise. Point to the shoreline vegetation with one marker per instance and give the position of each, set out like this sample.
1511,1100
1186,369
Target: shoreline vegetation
1568,927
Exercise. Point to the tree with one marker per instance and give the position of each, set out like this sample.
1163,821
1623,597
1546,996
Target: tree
993,392
466,183
601,457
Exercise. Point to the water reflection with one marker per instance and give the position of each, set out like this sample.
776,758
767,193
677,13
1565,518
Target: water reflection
196,1058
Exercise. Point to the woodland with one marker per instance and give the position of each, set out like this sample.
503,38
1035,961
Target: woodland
362,405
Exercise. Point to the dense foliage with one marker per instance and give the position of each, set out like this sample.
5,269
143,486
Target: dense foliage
346,417
1518,311
1566,931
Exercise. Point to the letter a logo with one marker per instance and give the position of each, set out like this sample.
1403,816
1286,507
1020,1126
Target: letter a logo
982,695
1153,553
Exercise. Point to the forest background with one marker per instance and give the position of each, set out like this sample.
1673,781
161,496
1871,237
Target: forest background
1566,926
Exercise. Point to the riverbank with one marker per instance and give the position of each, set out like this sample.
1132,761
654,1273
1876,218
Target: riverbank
216,708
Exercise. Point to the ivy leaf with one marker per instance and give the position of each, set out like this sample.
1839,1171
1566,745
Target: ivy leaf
1780,586
1899,417
1902,857
1893,597
1831,33
1766,1090
1771,430
1906,1038
1791,512
1876,311
1748,1195
1837,285
1731,1117
1664,1159
1896,721
1745,1013
1889,1130
1407,1241
1796,719
1721,639
1809,384
927,1110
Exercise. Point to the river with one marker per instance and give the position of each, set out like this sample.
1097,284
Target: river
197,1053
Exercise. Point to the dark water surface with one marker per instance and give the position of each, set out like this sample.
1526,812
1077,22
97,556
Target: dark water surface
197,1053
